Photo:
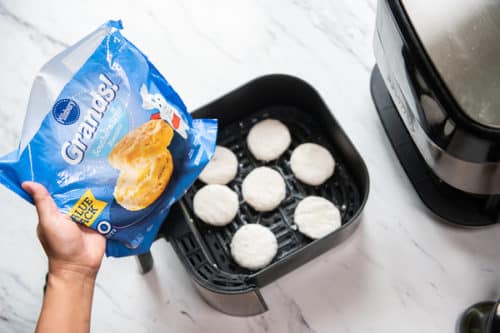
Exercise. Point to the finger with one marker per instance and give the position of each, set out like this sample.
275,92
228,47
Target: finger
45,205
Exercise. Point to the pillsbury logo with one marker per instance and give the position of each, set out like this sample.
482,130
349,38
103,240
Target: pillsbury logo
66,111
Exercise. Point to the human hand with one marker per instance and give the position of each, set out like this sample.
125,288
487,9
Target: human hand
71,248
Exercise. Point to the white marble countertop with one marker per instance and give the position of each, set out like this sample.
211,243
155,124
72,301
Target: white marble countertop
402,271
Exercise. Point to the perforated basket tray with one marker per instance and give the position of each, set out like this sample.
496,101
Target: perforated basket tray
205,250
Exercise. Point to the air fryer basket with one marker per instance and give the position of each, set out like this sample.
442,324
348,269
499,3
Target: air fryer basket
205,250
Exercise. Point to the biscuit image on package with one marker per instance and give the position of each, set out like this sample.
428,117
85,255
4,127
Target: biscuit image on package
145,164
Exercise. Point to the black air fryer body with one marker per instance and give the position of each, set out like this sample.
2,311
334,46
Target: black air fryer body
432,101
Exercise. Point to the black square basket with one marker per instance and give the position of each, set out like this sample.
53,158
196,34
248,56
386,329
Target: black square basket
204,250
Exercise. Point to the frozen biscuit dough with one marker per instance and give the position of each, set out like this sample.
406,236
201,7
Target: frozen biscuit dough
316,217
263,189
221,169
145,164
216,204
312,164
253,246
268,139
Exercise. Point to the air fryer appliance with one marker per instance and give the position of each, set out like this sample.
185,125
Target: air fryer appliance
205,250
436,88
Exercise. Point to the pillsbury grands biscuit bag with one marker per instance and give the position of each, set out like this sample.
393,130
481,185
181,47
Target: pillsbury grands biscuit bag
110,139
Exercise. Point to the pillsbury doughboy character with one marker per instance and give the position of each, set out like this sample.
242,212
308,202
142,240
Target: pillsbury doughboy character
166,111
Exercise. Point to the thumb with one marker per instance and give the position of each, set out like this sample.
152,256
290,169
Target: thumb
45,205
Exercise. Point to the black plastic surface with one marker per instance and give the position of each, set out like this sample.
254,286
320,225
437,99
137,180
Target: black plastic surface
447,202
205,250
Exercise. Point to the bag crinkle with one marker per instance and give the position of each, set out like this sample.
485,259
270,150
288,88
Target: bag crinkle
110,139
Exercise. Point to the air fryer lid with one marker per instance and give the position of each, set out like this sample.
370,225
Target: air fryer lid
462,39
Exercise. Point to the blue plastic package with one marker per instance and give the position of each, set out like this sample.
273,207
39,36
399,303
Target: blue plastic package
110,139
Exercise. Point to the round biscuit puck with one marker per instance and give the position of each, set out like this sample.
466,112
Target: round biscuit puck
312,164
216,204
263,189
268,139
316,217
221,169
253,246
